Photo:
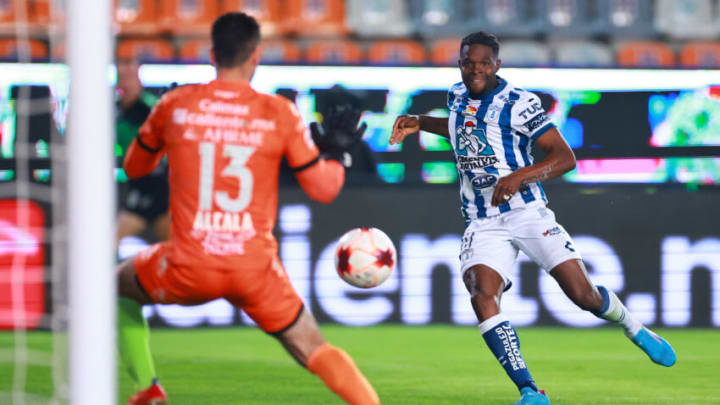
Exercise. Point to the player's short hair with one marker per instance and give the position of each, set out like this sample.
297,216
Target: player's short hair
234,37
481,38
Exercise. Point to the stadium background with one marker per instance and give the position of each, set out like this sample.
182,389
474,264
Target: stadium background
641,204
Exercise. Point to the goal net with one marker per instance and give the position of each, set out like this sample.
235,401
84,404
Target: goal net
56,203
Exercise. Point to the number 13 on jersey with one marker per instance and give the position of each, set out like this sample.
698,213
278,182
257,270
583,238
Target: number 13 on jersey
239,155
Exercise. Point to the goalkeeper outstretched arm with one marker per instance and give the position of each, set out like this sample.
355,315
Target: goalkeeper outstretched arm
323,177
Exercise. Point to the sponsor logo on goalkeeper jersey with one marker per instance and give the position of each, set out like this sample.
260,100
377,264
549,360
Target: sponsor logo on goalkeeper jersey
181,116
214,106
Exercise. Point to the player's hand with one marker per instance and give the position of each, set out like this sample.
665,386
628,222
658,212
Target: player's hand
338,133
505,188
404,126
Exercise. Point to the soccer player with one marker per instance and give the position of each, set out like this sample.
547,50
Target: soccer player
143,201
224,143
492,126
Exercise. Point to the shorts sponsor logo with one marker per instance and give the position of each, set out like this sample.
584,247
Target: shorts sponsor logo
483,181
466,254
553,231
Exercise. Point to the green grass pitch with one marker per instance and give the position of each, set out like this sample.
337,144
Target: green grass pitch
417,365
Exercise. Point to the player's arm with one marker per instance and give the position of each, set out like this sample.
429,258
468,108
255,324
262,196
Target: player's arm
147,149
322,179
410,124
323,176
141,159
559,159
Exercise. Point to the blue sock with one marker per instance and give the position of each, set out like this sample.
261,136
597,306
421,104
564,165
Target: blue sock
503,341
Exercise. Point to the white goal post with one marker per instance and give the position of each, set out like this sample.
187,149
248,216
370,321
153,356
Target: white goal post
91,202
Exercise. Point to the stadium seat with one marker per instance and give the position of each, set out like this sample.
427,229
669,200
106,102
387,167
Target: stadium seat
445,52
379,18
280,51
571,18
136,17
195,51
8,17
627,18
434,18
188,17
57,51
504,17
524,53
9,49
396,52
146,50
314,18
688,19
700,54
267,12
333,52
47,17
583,54
645,54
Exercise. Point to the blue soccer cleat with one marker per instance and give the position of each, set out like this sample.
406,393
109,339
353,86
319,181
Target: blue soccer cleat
532,397
657,348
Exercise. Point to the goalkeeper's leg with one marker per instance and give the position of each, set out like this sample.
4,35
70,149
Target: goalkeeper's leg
332,365
133,331
603,303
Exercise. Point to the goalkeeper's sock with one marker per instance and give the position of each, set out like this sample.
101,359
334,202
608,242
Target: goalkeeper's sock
613,310
341,375
134,342
503,342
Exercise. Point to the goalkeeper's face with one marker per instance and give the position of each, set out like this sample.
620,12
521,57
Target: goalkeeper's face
478,68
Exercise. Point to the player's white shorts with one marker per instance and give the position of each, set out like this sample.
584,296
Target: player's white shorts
495,241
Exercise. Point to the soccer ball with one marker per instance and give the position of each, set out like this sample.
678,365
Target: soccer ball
365,257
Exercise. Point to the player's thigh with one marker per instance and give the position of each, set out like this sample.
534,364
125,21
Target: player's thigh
168,283
490,247
128,284
266,295
537,233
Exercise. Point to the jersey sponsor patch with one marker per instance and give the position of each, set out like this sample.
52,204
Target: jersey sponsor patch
483,181
536,122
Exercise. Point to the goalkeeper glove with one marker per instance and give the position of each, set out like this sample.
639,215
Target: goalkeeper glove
338,133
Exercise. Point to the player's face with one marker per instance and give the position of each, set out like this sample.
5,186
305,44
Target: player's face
478,67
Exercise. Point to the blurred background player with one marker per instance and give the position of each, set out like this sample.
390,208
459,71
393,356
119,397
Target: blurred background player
492,126
143,202
224,143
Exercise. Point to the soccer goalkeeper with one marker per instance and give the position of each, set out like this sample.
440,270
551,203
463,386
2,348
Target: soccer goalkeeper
224,143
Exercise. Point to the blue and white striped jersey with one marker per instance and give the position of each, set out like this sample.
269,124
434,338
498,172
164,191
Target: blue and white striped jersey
492,137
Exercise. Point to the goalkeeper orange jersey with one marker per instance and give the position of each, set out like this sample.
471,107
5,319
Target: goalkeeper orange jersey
224,143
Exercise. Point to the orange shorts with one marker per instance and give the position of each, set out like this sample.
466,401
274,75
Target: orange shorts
265,294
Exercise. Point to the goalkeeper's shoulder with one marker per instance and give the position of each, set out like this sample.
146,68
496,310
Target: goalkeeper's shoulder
180,91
